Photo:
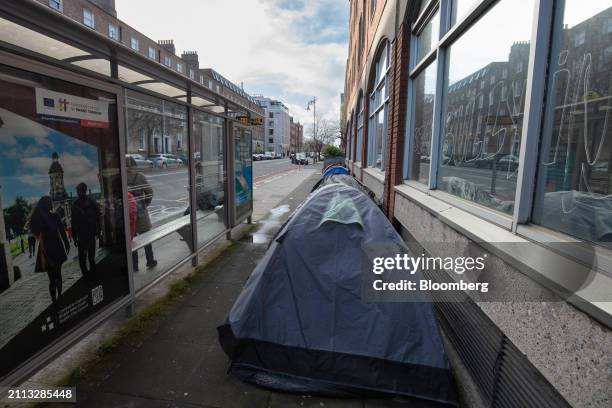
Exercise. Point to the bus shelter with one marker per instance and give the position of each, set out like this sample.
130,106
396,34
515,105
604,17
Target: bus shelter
105,156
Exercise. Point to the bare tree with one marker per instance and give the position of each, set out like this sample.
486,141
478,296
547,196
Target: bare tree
327,132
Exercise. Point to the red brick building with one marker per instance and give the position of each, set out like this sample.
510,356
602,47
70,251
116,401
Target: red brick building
101,16
478,122
297,137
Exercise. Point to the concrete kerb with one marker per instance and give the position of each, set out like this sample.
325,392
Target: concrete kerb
122,332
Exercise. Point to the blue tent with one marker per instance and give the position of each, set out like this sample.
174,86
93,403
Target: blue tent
300,324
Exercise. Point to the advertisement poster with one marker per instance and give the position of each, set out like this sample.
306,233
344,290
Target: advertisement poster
243,173
62,252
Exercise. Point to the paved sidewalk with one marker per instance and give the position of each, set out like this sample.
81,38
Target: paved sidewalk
180,364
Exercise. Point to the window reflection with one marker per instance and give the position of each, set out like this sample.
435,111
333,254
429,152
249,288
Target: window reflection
158,183
378,112
208,131
575,174
462,7
428,37
359,150
484,103
425,92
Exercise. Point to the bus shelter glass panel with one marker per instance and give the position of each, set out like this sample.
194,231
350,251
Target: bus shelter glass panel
62,241
574,190
210,176
243,173
158,185
483,107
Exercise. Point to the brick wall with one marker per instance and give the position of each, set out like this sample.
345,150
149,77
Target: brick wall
400,50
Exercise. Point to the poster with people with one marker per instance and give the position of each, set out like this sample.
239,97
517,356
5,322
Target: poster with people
62,245
243,173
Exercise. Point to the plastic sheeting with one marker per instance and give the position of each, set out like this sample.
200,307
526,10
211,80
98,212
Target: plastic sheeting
300,323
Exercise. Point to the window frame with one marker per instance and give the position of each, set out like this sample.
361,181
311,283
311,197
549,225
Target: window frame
93,18
59,3
416,68
360,129
545,18
116,30
382,107
154,56
450,30
135,40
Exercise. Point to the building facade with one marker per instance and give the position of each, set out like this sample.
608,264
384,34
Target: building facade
480,124
277,126
297,137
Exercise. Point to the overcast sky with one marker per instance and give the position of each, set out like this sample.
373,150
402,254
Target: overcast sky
286,49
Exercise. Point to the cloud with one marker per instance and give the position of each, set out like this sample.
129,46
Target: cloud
77,168
286,49
14,125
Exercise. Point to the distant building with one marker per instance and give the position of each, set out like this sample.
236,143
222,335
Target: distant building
277,126
297,137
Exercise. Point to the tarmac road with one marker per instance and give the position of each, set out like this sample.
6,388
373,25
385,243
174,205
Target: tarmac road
268,167
170,187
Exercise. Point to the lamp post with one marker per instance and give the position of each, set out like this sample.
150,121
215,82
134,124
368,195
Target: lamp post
313,102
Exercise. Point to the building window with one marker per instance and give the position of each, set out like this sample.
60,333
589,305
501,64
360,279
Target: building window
574,186
271,115
271,123
607,26
135,44
270,132
179,67
427,38
579,38
152,53
479,155
424,88
210,84
57,4
142,140
88,18
379,98
360,122
113,32
202,79
191,74
167,61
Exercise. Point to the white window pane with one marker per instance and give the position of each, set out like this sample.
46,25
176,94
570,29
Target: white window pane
479,159
574,190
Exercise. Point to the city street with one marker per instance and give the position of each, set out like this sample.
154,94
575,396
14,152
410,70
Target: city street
266,167
170,187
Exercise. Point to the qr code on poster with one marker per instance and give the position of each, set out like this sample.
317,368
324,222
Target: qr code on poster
97,295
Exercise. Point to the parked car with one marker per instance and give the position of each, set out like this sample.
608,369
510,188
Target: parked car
300,158
141,161
508,162
184,159
165,160
269,155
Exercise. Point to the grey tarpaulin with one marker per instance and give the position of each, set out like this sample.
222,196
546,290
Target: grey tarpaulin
301,325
